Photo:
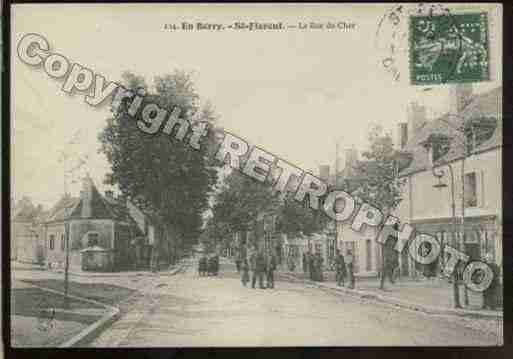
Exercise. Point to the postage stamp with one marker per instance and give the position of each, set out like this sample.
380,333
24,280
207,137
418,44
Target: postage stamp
449,48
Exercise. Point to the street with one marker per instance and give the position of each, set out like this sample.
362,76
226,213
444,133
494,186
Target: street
186,310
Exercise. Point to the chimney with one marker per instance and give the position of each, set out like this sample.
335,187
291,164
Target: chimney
416,118
324,173
86,196
402,136
109,195
460,95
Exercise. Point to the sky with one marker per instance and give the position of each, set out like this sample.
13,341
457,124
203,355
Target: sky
294,93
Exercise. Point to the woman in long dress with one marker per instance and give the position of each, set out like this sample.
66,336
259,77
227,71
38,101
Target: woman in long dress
245,271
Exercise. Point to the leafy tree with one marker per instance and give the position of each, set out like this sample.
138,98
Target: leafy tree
240,200
158,172
296,217
379,184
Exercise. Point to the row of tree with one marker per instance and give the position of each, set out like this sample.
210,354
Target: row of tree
241,199
158,173
177,185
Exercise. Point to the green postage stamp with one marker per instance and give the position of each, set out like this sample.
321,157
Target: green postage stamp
451,48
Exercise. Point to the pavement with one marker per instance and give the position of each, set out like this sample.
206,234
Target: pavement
85,319
191,311
77,271
39,318
428,295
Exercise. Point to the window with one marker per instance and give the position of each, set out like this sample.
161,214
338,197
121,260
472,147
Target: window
470,190
318,247
441,145
92,239
52,242
479,131
63,242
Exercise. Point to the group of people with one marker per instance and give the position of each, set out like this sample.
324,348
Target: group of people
261,266
313,267
208,265
312,264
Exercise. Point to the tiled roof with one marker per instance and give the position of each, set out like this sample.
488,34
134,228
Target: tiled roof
64,209
483,105
121,213
73,207
26,214
42,217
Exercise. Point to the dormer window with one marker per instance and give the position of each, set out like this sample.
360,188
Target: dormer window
440,146
479,131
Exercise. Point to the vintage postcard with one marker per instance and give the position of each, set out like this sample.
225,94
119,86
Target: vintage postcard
245,175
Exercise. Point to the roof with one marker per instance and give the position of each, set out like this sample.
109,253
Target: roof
487,105
63,209
101,208
351,178
26,214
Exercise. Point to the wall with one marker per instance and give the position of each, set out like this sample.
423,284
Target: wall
346,235
422,202
55,256
429,202
78,239
26,245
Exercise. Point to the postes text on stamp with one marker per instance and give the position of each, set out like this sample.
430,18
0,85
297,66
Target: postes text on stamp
449,48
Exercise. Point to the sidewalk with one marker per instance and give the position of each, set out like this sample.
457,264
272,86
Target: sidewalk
103,293
426,295
77,271
39,318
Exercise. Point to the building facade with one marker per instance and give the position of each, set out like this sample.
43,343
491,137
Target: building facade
475,158
27,243
90,220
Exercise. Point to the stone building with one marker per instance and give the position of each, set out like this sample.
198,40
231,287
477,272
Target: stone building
27,243
427,203
87,221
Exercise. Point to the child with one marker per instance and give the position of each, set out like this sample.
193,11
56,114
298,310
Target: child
245,272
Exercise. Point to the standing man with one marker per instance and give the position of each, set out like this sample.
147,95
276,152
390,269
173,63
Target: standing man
311,265
349,264
258,268
238,260
305,263
270,268
318,267
340,267
390,261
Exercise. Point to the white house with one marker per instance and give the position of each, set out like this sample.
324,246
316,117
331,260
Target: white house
440,144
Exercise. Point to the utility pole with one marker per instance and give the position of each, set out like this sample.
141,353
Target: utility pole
335,244
66,271
65,156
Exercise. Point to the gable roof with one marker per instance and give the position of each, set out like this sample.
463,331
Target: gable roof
26,213
487,105
74,207
63,209
100,209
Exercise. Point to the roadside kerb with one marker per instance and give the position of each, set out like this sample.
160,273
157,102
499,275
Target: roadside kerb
93,330
129,320
401,303
121,274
